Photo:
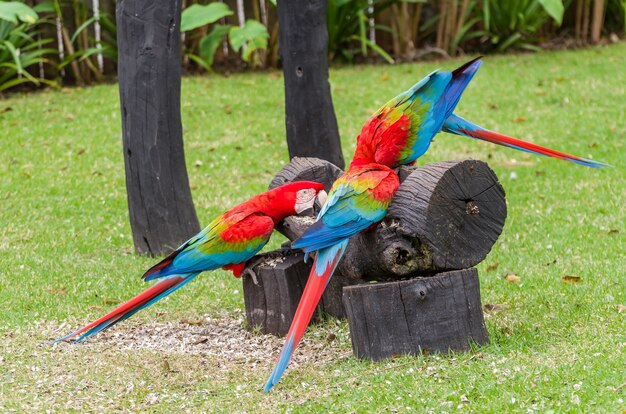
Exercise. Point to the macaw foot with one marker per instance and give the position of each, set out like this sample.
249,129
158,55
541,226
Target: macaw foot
249,271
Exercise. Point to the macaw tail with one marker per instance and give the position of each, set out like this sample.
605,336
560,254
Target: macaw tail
143,300
323,268
454,124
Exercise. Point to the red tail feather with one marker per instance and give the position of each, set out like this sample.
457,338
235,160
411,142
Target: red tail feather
505,140
140,300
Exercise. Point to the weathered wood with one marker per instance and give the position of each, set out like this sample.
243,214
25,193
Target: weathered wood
307,169
444,216
162,213
282,276
304,169
309,115
441,313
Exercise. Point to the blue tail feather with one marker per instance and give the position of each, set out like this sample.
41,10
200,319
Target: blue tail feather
281,366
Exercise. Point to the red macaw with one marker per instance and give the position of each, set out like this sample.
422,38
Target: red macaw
401,130
357,200
227,242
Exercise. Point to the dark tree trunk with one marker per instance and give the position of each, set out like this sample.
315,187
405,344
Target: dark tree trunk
309,115
433,314
161,210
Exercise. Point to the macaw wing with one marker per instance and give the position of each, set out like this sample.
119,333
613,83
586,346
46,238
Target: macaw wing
349,210
406,95
226,240
408,126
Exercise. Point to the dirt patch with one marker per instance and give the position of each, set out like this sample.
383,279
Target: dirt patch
223,337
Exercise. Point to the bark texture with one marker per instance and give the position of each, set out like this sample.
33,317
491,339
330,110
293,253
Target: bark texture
309,114
441,313
161,210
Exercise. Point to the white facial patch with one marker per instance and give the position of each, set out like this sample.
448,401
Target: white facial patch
304,199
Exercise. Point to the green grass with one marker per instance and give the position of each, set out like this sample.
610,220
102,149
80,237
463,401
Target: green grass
66,249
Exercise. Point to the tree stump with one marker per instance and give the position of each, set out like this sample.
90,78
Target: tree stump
161,209
281,276
441,313
444,216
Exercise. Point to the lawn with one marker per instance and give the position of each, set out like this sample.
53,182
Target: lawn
66,253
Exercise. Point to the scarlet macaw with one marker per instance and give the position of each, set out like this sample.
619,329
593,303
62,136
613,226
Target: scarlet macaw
227,242
357,200
401,130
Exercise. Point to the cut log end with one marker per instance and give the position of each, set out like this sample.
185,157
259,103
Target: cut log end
441,313
463,216
444,216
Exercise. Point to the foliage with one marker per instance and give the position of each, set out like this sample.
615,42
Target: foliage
21,46
14,11
391,29
616,16
84,52
198,15
90,48
249,39
347,22
515,24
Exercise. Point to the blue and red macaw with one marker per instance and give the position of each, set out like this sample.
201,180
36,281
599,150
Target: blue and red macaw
357,200
402,130
397,134
227,242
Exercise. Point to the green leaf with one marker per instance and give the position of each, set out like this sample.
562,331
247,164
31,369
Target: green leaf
252,46
239,36
362,32
18,81
554,8
13,82
13,11
209,43
197,15
82,27
47,7
510,41
375,48
15,54
201,62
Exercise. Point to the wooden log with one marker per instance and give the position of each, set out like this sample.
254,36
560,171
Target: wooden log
309,115
441,313
162,213
444,216
281,275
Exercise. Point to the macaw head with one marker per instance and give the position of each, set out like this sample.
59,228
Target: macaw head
294,198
